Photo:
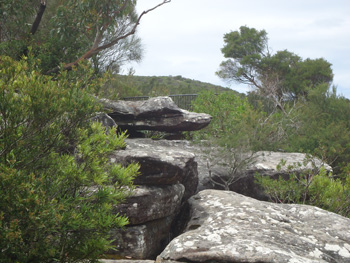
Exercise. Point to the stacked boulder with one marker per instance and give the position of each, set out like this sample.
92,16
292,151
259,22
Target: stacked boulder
176,216
166,180
167,177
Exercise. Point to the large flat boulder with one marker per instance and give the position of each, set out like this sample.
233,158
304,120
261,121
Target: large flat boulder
159,113
228,227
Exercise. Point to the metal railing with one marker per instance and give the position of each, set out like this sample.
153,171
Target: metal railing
183,101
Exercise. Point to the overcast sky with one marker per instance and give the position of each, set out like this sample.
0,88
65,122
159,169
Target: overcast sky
185,37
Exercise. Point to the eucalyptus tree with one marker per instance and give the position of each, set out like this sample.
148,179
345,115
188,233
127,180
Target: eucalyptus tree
280,76
69,31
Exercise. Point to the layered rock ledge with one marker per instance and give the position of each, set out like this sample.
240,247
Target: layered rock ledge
159,114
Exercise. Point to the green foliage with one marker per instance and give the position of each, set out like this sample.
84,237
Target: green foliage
324,127
235,122
317,188
227,110
57,186
236,128
290,188
246,45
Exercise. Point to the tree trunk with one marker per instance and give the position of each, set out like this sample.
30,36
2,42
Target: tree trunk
39,15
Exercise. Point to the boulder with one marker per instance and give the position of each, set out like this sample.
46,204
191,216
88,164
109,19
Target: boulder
159,113
228,227
148,203
160,164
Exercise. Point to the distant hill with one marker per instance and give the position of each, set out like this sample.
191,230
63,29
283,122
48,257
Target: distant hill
169,85
126,86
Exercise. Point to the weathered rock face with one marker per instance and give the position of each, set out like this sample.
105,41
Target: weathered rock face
160,164
151,211
144,241
229,227
149,203
160,114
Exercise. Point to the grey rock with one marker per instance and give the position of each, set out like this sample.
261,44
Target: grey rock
229,227
160,164
143,241
159,113
148,203
267,162
104,119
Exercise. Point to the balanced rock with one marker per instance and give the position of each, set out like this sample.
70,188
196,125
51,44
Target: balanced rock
159,114
228,227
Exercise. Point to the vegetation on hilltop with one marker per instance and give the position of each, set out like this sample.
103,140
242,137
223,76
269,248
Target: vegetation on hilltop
129,86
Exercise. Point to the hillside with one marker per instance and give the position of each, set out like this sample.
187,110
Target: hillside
128,86
167,85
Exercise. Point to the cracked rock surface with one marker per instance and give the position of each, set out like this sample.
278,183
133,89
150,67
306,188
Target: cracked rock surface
229,227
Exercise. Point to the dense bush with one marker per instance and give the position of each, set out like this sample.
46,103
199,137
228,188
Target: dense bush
57,187
236,128
313,187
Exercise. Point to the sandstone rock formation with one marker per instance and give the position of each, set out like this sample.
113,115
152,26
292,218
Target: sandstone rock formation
229,227
168,178
159,113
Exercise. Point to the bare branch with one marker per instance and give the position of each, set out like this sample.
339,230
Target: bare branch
96,49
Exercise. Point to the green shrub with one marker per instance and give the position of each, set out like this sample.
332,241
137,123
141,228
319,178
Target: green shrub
235,132
57,187
312,187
